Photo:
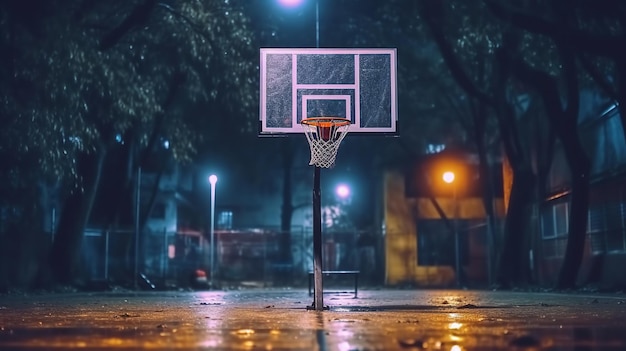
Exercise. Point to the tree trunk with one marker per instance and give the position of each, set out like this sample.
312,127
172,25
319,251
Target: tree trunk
580,166
564,120
512,255
488,197
484,168
512,268
65,254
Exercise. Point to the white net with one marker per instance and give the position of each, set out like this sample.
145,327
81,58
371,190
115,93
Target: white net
325,135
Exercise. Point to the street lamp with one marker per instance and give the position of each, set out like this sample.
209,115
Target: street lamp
212,181
343,191
318,301
449,177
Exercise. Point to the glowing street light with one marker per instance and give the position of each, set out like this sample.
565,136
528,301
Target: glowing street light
449,177
343,191
290,3
212,180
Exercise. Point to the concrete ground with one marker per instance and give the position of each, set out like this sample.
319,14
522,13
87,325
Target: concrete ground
278,319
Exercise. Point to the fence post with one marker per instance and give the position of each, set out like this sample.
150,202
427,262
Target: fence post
106,255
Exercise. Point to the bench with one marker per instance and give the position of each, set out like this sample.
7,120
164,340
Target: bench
355,274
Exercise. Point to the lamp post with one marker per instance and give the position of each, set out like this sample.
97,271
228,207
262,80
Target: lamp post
317,23
449,177
137,225
343,191
318,300
212,181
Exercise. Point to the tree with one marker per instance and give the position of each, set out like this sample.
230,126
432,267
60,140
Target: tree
562,110
599,32
470,60
120,72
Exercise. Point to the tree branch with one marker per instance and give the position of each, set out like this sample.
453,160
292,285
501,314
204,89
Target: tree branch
605,45
137,17
176,83
432,12
597,77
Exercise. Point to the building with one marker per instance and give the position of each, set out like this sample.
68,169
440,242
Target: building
605,250
423,216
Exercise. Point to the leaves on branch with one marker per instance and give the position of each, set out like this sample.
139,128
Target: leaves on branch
138,17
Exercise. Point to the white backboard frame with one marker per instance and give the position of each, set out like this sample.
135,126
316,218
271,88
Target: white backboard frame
291,94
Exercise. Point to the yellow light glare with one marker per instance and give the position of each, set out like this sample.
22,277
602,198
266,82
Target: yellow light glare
455,326
113,341
248,344
448,177
455,338
244,332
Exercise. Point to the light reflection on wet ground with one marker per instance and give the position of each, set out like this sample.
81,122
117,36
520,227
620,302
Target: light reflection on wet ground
278,320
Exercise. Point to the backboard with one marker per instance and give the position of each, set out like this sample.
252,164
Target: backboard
357,84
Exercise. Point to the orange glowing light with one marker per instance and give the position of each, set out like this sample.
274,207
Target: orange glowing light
448,177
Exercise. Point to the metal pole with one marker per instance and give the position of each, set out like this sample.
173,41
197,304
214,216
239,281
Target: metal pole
106,255
318,292
53,223
137,207
165,255
212,230
489,234
317,23
456,236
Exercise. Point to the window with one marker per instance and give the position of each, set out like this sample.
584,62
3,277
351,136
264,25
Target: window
614,226
555,221
436,243
595,228
225,220
596,218
561,219
547,224
606,227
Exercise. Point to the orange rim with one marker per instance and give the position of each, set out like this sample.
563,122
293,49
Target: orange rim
325,122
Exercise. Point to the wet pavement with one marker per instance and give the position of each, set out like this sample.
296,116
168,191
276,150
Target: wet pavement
278,319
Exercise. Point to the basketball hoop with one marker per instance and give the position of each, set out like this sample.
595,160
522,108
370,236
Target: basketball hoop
324,135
